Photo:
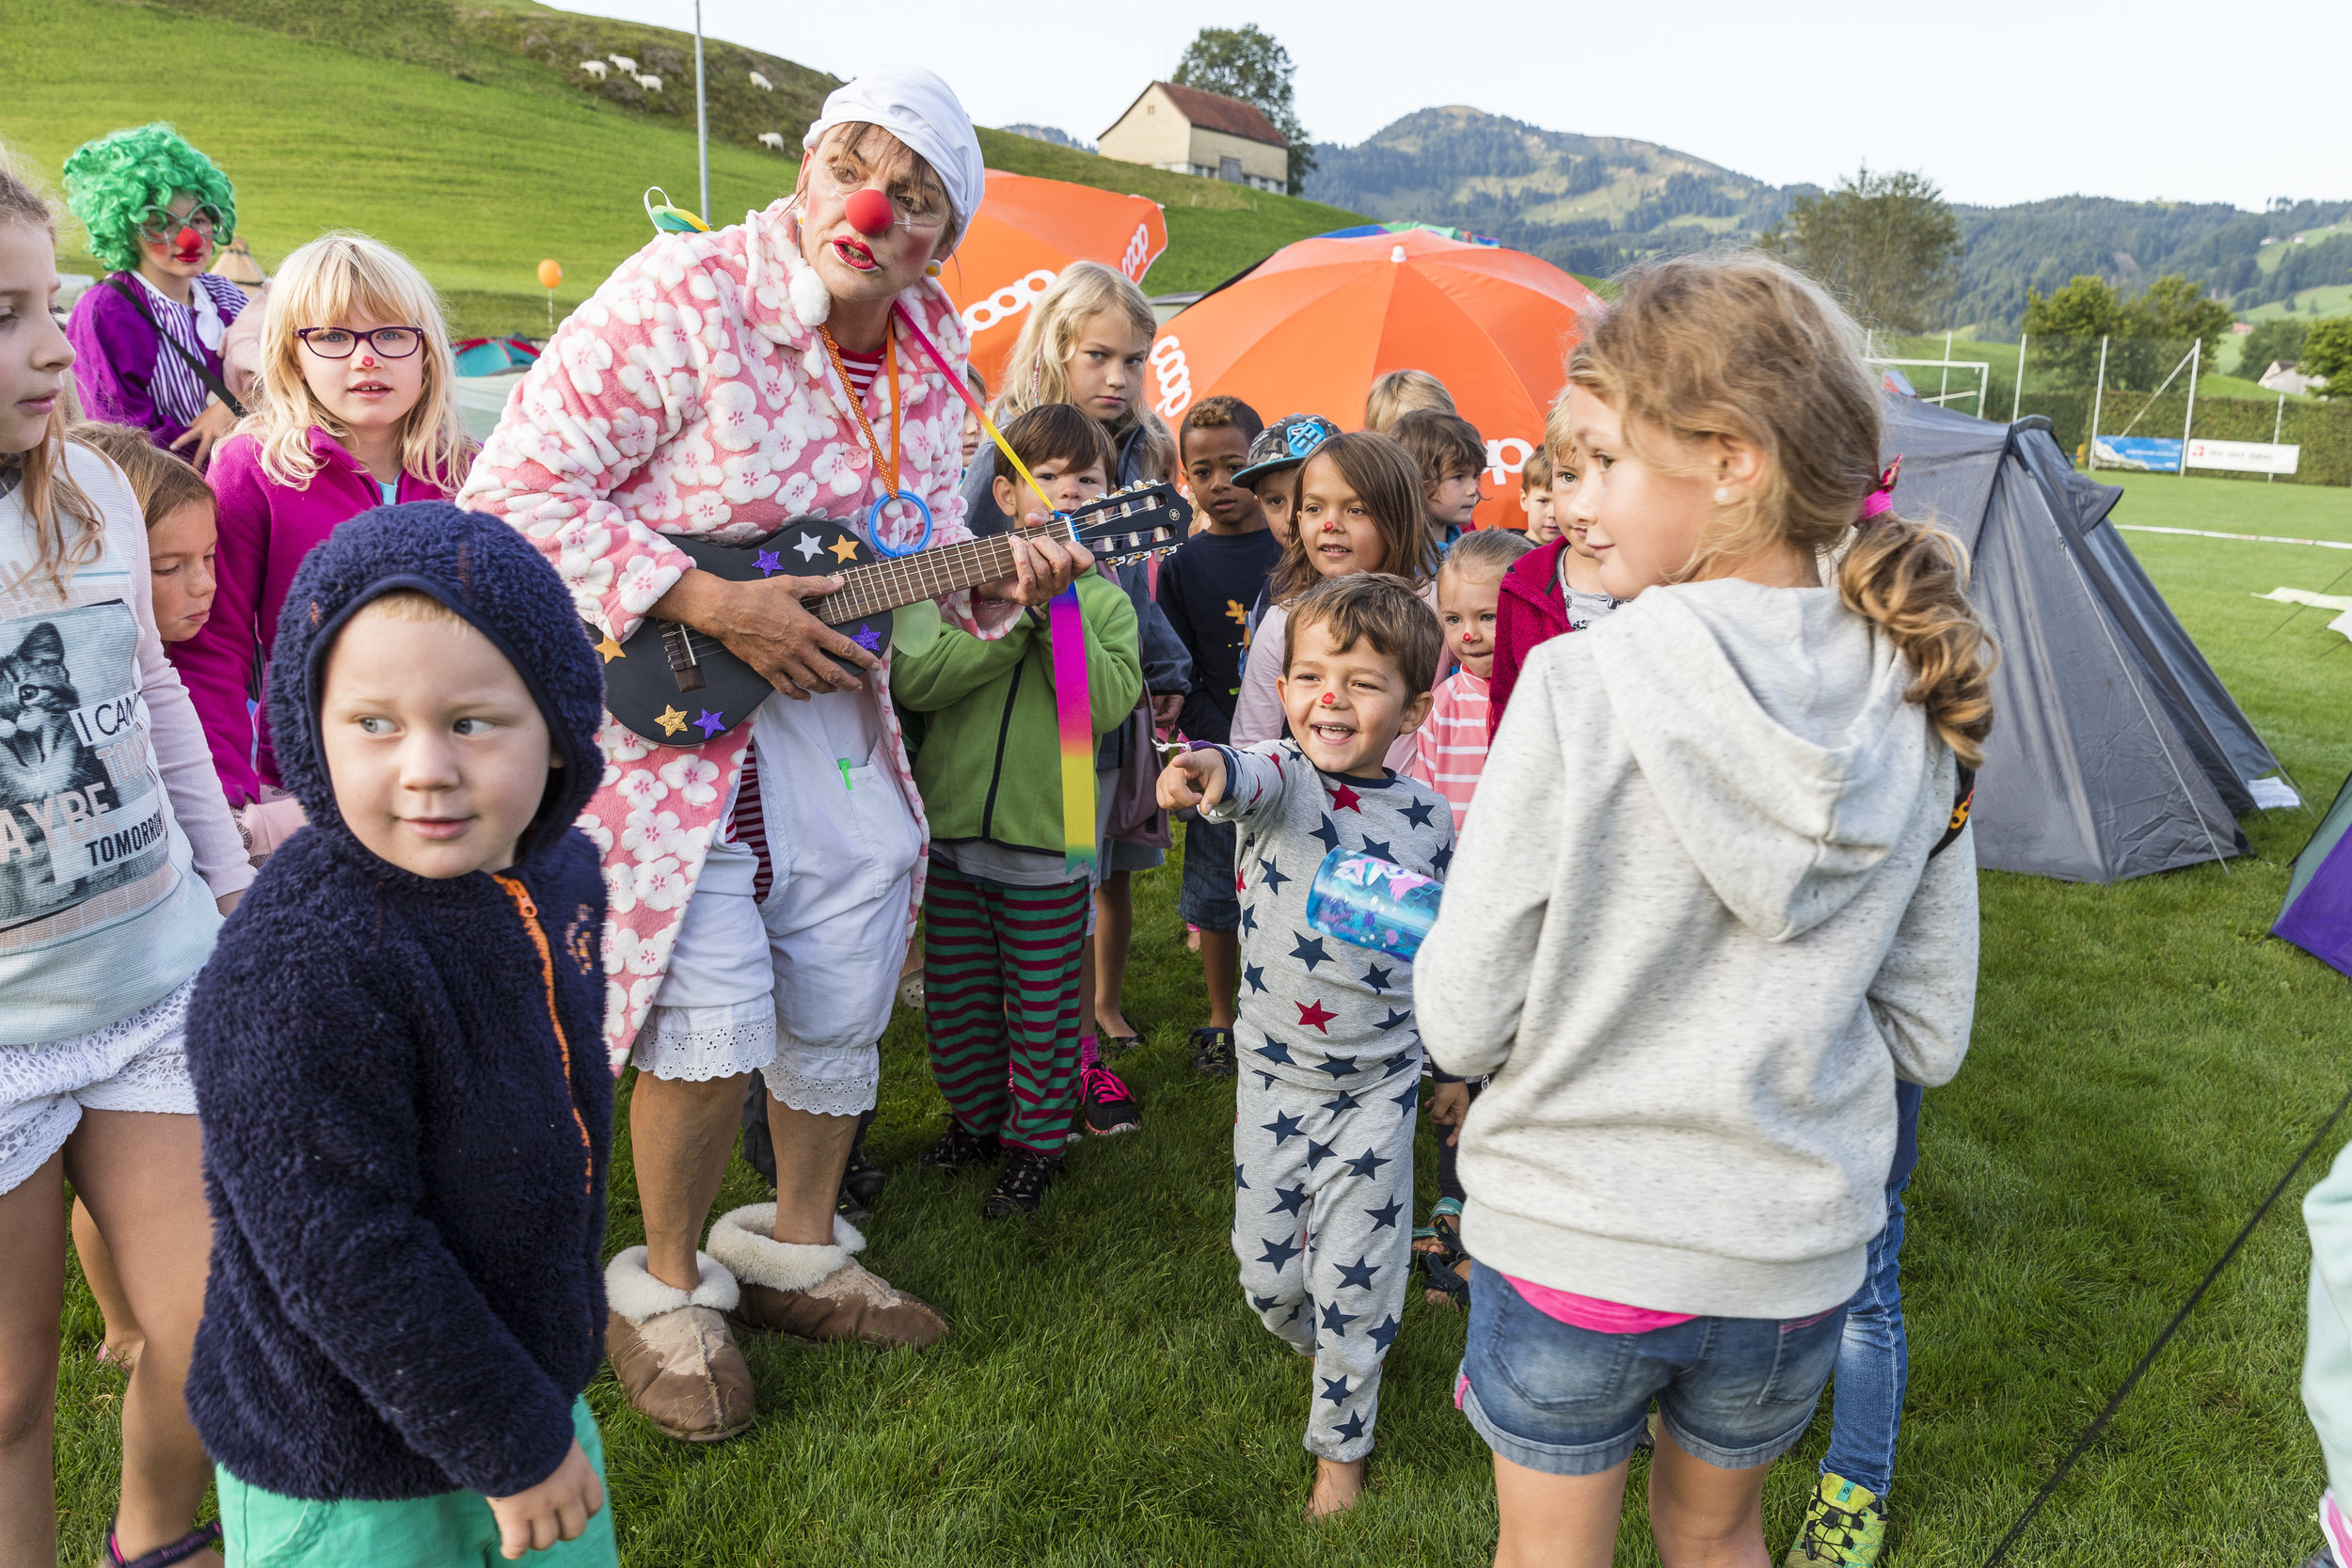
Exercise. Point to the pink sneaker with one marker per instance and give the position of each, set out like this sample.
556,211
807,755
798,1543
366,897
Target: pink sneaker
1108,1105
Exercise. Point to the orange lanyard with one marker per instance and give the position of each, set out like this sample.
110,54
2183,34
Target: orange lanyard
887,472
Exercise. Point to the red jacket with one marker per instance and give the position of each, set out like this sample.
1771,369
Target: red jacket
1531,612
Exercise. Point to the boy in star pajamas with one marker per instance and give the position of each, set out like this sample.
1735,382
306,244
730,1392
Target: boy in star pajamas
1330,1054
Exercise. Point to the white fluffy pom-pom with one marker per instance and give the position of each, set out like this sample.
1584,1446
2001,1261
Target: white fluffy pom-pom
810,301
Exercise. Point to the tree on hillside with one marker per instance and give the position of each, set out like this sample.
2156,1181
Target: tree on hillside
1886,244
2174,308
2328,351
1243,63
2145,336
2276,342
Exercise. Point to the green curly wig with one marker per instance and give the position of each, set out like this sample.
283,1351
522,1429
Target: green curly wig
111,181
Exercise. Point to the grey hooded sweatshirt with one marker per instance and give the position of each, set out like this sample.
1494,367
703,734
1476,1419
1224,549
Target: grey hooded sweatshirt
1694,931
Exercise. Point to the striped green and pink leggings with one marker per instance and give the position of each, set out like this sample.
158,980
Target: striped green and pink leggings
1000,992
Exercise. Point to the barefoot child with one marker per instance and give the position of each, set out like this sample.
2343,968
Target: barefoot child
1556,589
407,1121
1206,589
1004,918
1700,928
116,861
1323,1137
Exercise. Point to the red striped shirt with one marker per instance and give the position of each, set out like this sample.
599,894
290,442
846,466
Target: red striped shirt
747,827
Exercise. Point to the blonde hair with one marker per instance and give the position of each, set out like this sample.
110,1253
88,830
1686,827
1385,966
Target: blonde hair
1038,370
1398,393
1487,553
345,277
162,482
68,530
1739,345
408,604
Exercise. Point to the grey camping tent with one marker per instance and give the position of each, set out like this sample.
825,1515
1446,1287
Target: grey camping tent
2116,750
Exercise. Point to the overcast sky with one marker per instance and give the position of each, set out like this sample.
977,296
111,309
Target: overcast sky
1998,104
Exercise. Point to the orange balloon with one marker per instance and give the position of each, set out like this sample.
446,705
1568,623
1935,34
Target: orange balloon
1311,327
1027,232
549,274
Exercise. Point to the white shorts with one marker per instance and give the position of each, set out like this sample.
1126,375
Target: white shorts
139,1062
797,986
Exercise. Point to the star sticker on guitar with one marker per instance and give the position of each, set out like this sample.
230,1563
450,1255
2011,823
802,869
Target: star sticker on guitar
709,724
769,563
806,549
672,721
609,649
844,549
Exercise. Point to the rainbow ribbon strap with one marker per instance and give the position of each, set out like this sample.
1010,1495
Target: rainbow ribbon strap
1072,712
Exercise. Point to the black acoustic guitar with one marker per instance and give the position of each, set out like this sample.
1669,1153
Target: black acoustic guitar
678,686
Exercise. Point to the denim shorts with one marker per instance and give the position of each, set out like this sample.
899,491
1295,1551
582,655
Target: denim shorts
1208,900
1735,1392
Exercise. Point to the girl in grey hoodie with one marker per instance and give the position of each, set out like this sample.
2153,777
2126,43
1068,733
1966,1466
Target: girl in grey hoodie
1697,929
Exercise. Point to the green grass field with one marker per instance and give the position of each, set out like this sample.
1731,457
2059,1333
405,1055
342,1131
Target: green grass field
2146,1062
477,180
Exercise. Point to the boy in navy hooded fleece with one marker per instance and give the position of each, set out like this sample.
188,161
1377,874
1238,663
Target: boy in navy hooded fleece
406,1117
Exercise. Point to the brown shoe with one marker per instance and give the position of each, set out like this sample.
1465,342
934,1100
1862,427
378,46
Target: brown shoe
816,1293
672,1351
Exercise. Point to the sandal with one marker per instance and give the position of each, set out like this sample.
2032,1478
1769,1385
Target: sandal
202,1538
1112,1047
1445,1225
1213,1053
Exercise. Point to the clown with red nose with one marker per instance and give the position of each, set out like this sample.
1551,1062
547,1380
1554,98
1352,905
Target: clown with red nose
149,337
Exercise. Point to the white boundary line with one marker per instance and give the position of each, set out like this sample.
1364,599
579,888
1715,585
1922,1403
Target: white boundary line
2251,538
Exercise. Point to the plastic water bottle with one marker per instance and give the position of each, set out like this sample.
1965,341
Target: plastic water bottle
1369,902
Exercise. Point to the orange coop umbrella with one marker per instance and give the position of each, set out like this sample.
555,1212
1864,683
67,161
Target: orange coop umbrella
1027,231
1310,330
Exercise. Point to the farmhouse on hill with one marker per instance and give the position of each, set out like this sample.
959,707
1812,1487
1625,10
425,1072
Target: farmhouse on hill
1191,131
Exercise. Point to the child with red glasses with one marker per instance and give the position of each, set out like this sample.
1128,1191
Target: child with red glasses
354,410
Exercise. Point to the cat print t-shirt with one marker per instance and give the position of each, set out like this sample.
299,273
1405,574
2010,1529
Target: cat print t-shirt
100,911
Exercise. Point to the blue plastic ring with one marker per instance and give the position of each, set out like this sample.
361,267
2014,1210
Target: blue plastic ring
873,524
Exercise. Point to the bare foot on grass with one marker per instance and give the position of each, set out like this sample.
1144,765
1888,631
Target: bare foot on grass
1338,1488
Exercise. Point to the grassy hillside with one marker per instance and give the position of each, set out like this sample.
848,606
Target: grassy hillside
467,138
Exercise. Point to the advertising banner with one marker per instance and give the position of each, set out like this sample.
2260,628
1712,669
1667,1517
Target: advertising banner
2243,457
2155,454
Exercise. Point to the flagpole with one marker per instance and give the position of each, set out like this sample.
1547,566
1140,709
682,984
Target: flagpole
702,120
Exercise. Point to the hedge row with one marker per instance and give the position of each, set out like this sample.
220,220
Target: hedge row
2324,429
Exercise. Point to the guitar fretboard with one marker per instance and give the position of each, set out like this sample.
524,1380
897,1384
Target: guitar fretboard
880,585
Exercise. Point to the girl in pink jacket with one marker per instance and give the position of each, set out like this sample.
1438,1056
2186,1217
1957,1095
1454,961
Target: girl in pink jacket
354,410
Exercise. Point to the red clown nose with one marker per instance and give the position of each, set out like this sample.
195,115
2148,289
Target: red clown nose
188,242
868,211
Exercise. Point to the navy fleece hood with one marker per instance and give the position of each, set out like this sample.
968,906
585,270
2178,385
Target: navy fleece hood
402,1088
502,587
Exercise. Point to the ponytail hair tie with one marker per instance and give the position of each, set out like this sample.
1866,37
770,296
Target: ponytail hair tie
1880,500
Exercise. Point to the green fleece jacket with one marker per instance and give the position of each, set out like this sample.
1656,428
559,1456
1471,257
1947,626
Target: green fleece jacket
990,763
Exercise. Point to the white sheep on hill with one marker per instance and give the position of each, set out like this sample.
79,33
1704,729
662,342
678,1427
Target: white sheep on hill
771,138
624,62
762,82
651,84
594,67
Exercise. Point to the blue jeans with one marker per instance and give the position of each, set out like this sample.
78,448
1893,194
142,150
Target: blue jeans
1874,1356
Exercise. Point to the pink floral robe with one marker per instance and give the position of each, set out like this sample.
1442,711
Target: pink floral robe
693,395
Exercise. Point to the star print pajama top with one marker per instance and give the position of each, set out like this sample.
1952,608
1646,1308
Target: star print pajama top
1330,1073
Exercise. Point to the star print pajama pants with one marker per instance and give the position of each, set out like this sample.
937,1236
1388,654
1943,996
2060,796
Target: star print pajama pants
1323,1195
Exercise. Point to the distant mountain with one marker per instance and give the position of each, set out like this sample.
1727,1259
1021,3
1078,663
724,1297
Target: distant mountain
1593,204
1052,133
1589,204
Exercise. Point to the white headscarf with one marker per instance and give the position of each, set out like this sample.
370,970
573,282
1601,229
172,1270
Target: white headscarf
916,106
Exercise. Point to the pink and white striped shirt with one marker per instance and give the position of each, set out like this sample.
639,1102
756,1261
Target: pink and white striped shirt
1450,748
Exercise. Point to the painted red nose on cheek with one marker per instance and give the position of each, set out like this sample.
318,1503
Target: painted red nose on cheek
868,211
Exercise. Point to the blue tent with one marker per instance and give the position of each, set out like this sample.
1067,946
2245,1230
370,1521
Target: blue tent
493,356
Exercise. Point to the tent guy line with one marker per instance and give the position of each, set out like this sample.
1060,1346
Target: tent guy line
2250,538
